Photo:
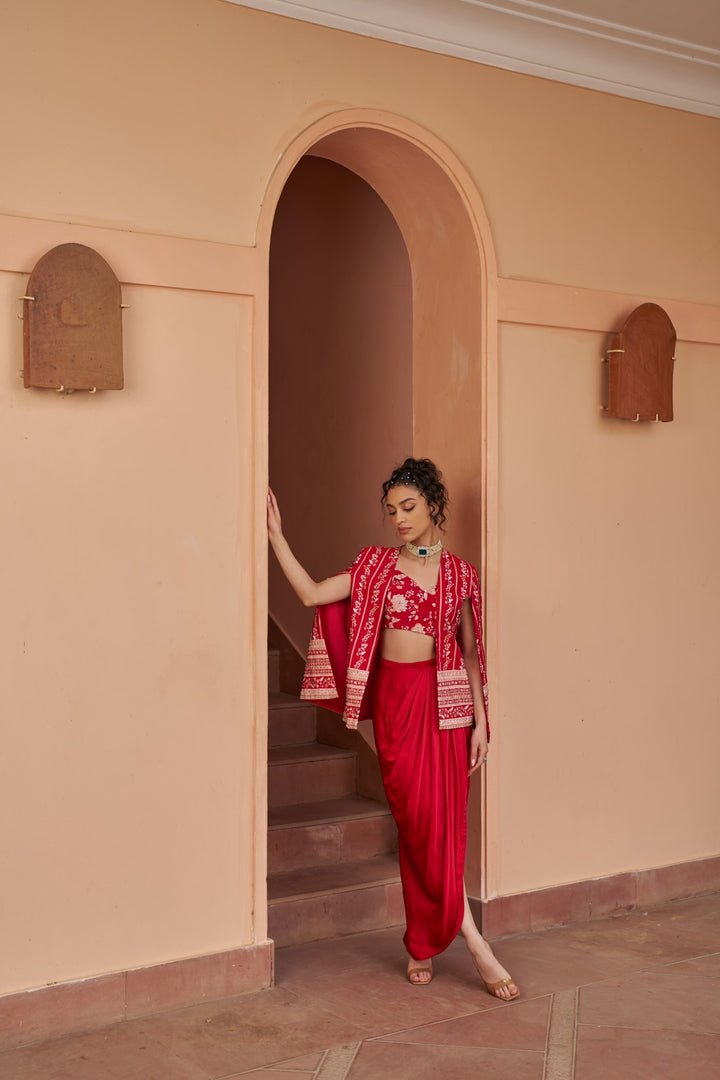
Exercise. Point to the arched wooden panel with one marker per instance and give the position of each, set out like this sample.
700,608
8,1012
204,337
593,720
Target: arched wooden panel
640,378
73,322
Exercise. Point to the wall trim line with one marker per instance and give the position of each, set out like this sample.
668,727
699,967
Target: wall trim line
204,266
537,303
596,898
81,1005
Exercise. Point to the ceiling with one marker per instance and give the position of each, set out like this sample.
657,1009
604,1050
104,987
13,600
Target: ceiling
663,51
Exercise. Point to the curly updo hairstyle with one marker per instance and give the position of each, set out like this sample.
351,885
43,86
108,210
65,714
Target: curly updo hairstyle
423,474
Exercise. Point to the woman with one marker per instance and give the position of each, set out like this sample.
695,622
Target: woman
398,636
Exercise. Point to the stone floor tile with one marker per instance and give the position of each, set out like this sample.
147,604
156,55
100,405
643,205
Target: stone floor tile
384,1060
295,1068
272,1073
381,1000
709,966
654,1000
120,1052
628,1054
649,998
297,963
614,945
247,1032
541,968
690,924
522,1027
307,1061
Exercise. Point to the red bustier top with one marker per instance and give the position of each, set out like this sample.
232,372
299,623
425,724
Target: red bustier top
408,606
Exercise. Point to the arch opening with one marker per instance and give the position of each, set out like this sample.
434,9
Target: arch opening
450,343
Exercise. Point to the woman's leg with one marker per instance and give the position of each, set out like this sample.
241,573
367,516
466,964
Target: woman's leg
489,967
424,772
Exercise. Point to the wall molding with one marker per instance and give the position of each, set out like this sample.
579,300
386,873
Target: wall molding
86,1004
172,262
137,258
649,63
536,303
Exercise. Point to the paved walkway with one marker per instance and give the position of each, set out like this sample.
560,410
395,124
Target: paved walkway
634,996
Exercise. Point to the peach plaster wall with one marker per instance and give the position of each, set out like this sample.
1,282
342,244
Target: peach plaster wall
134,733
608,593
126,660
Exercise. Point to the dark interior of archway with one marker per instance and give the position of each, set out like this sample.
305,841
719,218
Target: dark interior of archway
340,370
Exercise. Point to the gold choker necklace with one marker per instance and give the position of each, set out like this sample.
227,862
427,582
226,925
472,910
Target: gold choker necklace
424,552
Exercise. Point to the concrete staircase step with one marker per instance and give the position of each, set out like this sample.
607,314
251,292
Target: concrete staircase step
309,773
330,901
332,831
332,862
290,721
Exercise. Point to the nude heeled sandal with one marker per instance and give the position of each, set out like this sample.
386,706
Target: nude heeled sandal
416,971
493,987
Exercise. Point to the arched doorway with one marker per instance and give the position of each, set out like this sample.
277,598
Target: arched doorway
445,232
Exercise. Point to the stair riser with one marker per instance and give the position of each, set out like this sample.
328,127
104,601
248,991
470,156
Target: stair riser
331,842
291,727
315,918
310,781
273,670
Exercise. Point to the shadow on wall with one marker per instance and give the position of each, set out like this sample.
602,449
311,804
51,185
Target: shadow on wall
340,371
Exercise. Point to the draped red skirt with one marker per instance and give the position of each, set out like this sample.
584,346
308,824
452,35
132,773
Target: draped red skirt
425,773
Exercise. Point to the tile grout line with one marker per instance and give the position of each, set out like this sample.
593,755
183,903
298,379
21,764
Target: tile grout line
445,1019
576,1025
634,1027
560,1055
463,1046
337,1062
547,1035
642,970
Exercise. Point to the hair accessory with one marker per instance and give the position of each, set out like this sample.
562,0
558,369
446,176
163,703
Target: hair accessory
424,552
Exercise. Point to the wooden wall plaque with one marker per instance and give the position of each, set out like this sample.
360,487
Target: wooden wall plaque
72,334
640,357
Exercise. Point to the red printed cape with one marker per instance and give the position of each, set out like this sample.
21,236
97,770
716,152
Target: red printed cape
345,637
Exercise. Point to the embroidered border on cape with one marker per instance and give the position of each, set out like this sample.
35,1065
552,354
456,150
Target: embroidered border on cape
318,681
447,725
357,681
455,700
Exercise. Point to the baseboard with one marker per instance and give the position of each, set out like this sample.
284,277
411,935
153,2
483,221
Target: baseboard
72,1007
582,901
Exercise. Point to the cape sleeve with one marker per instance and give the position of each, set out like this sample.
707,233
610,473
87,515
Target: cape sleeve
325,675
330,678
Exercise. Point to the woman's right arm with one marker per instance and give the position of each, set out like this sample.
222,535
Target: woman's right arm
311,592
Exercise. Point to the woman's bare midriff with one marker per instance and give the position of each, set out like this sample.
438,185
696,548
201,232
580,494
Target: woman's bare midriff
406,646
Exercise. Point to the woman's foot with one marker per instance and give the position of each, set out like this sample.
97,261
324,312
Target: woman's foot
419,972
498,982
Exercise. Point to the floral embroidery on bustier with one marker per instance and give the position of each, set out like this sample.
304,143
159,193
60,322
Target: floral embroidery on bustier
408,606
